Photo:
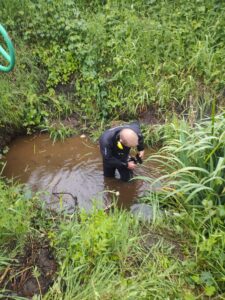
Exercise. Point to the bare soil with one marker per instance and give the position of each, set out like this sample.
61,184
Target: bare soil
33,273
6,135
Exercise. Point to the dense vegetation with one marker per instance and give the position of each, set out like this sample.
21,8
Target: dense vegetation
116,60
110,55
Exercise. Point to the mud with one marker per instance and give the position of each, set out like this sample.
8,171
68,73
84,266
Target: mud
31,273
6,135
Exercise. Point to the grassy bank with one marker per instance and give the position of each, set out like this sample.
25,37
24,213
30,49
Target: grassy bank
107,56
193,188
94,60
180,255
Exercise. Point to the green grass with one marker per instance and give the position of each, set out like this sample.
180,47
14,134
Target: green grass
17,87
114,61
107,257
25,102
15,204
193,188
195,163
110,256
161,54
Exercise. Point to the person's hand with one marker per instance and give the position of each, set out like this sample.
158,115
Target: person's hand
131,165
141,154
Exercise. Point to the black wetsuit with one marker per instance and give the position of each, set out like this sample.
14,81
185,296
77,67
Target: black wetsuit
115,158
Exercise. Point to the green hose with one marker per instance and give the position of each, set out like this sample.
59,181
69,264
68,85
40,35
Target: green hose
10,56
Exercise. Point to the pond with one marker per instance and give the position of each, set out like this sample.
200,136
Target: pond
71,170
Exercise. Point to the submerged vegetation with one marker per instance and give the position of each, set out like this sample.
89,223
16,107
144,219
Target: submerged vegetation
104,61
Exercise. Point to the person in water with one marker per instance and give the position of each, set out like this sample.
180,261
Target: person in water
115,145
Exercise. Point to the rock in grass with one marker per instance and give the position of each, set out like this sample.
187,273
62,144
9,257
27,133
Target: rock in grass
142,211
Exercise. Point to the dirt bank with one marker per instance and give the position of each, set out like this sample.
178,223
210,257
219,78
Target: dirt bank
31,273
7,134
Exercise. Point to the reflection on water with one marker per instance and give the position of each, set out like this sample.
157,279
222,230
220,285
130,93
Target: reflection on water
73,168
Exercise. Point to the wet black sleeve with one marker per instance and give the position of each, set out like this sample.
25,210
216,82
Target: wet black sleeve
109,159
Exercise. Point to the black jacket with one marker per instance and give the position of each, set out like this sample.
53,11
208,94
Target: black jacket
112,155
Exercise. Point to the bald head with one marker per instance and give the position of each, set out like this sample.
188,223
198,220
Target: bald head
128,137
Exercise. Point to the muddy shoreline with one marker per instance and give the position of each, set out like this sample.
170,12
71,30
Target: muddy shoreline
7,134
30,273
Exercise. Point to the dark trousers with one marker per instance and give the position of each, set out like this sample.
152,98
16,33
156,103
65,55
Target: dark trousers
125,173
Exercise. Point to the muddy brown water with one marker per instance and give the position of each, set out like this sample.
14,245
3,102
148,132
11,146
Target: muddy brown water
69,169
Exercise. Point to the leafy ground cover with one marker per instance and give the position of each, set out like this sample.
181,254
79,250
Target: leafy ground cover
99,255
96,59
108,56
193,186
180,255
